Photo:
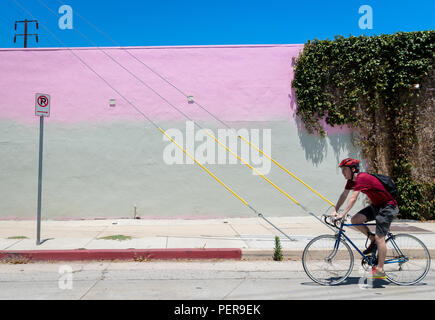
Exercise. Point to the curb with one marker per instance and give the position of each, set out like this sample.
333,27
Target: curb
295,254
267,254
123,254
15,256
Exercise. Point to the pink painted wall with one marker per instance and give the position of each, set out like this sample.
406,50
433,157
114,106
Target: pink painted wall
234,82
100,161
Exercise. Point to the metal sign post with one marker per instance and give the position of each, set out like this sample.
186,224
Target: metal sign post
42,109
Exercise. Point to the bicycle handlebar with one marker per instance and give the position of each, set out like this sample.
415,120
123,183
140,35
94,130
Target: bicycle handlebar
334,221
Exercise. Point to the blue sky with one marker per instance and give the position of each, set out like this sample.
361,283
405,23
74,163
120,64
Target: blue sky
205,22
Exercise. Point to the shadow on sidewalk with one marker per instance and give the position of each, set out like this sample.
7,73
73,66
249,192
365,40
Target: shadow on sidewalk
361,281
45,240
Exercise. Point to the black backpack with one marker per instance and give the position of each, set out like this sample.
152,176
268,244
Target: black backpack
387,183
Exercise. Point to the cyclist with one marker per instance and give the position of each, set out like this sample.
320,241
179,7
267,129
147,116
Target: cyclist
383,209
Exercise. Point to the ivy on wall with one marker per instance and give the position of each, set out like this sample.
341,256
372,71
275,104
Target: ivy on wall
382,86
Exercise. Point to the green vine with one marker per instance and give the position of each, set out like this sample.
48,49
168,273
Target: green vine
382,87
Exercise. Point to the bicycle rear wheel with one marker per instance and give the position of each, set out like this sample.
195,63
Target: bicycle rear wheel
407,261
324,263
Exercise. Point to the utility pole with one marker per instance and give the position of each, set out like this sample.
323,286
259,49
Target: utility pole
25,35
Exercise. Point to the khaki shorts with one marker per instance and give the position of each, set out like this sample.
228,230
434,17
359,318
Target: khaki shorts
383,216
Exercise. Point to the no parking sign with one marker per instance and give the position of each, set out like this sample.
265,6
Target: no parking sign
42,105
42,109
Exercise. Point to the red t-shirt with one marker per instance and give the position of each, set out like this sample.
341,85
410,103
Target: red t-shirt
372,187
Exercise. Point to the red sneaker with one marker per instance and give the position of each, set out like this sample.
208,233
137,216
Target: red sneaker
376,274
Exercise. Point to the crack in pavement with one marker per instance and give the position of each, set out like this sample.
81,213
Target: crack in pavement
236,287
101,278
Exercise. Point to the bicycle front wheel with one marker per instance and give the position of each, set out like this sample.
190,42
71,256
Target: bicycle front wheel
325,262
407,261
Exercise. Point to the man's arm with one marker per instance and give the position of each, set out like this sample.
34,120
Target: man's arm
341,199
350,203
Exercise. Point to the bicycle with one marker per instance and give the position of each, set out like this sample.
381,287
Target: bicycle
407,261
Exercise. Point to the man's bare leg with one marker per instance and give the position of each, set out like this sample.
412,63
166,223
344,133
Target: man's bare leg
382,251
360,219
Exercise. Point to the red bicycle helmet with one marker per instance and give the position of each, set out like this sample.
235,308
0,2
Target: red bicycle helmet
349,162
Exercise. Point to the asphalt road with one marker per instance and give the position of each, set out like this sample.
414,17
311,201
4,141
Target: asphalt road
191,280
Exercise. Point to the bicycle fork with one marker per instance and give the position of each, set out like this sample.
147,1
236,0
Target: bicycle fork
335,250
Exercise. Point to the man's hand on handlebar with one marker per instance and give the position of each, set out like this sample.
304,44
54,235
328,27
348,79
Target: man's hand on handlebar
336,216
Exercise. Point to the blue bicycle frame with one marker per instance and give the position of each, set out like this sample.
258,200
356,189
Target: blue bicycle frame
370,261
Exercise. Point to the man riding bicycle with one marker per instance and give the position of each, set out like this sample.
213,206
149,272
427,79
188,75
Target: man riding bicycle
383,209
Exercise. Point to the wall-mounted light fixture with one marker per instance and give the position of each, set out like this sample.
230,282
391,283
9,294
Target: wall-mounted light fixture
190,99
112,103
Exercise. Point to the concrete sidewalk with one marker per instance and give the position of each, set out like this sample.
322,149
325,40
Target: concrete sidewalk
232,238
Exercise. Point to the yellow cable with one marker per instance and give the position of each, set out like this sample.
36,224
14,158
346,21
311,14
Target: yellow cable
286,171
255,170
210,173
